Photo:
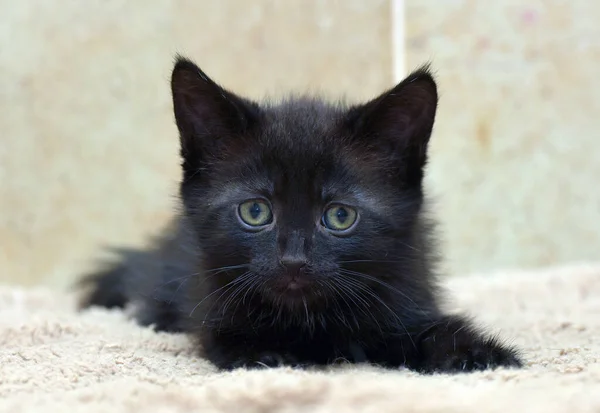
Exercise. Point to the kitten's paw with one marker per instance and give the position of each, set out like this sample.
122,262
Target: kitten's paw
471,357
454,346
265,359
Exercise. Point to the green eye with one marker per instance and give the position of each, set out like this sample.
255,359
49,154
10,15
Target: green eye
339,218
255,213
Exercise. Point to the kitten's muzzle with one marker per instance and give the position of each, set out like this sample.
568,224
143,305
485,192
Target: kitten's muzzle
295,268
293,276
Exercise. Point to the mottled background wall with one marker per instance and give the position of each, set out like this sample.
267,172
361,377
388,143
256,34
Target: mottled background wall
88,153
516,159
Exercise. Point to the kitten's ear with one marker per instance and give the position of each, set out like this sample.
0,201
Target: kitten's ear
399,122
208,117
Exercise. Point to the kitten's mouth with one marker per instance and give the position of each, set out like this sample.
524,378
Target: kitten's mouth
291,283
294,291
295,285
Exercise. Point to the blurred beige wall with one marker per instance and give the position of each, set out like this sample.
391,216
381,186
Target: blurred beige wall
88,149
516,154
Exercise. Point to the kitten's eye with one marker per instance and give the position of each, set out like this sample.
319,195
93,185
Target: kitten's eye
339,218
255,213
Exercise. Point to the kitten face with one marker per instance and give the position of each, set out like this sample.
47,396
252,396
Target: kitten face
301,200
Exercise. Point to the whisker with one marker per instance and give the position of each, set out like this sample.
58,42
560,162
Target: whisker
360,288
252,287
238,289
339,313
352,296
229,284
158,288
240,280
409,246
306,310
225,268
254,281
212,272
186,279
172,280
392,312
383,284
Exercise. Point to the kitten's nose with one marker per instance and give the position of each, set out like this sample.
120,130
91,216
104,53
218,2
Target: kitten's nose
294,268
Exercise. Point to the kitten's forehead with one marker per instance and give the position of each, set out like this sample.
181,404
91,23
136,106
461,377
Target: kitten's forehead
302,155
302,187
302,159
301,124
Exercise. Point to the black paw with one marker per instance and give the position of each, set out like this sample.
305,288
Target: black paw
265,359
477,356
454,346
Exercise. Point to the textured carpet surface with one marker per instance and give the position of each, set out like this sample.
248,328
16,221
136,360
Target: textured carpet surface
55,360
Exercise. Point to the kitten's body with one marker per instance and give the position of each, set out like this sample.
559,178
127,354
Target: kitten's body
297,289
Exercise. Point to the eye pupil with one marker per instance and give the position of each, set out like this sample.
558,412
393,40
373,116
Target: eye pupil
255,210
342,215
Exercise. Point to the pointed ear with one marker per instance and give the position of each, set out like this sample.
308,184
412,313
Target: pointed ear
208,117
398,124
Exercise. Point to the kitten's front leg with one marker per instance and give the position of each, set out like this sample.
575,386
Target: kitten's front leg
452,344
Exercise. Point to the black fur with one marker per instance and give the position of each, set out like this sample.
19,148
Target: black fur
294,291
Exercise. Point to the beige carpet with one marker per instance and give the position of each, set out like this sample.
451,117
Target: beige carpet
54,360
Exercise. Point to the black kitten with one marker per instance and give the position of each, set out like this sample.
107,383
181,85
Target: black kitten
303,239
